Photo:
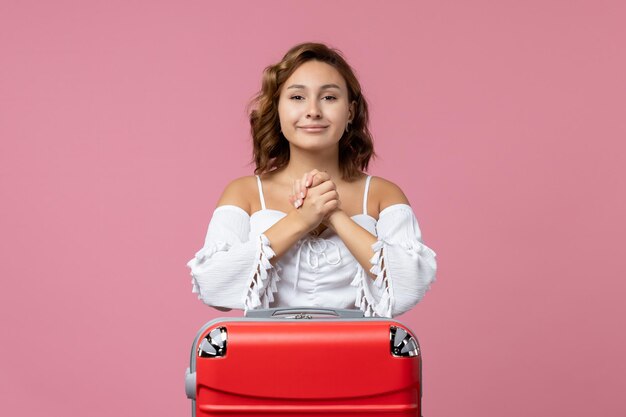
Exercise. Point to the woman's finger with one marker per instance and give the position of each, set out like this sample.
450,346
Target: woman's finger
331,205
309,177
319,178
295,201
329,196
299,188
303,185
323,187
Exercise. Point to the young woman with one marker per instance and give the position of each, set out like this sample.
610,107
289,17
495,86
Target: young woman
311,228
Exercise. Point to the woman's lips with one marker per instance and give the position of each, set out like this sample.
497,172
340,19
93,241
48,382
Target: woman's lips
313,129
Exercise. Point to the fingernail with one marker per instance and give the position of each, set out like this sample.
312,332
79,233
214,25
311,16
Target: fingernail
301,194
297,203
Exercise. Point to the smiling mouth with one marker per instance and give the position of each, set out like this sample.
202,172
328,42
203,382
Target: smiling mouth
313,128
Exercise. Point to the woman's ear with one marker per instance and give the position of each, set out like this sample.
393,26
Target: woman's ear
352,111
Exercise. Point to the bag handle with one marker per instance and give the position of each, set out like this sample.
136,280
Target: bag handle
304,312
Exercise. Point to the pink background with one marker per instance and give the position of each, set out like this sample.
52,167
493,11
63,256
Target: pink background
504,123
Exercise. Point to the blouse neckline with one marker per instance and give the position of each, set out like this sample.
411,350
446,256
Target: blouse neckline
284,214
393,207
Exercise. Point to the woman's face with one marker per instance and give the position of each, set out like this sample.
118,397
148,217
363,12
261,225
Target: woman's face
313,106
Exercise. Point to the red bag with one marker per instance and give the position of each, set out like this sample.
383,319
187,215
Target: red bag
304,361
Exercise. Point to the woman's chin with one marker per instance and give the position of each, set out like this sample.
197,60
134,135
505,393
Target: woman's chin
314,146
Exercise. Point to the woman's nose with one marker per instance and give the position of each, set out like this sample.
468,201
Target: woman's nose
314,110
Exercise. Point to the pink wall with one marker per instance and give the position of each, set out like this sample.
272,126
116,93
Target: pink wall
120,123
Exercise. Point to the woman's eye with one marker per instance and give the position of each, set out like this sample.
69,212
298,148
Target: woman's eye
296,97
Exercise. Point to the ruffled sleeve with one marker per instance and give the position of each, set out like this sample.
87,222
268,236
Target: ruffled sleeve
403,265
232,270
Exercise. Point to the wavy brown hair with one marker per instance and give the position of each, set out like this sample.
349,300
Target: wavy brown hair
271,148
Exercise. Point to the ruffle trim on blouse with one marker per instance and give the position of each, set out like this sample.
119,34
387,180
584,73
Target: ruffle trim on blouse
201,256
263,278
427,264
364,298
384,303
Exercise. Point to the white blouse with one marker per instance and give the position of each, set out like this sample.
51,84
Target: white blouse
233,269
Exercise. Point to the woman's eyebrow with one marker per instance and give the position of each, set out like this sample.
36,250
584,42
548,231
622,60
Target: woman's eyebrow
324,87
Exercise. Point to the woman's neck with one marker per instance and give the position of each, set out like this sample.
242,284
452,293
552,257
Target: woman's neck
301,162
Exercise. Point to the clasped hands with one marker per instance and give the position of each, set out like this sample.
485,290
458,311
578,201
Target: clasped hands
316,198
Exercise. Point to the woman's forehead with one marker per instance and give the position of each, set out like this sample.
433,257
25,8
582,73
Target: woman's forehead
315,75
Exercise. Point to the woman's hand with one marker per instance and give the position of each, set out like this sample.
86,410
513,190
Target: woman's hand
300,186
320,198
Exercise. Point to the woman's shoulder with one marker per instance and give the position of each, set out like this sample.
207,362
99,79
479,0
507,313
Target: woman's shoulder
384,193
239,192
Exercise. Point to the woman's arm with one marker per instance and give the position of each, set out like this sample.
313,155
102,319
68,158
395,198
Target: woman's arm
358,240
402,266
